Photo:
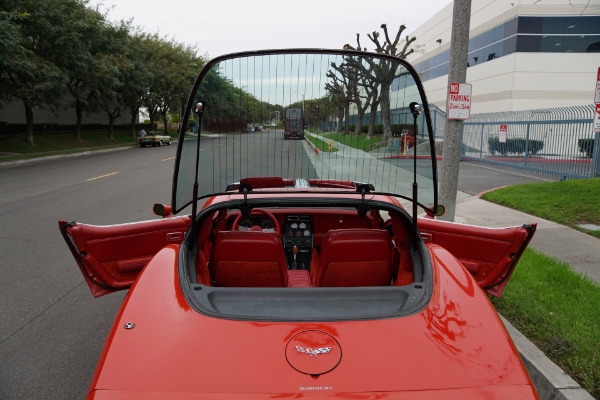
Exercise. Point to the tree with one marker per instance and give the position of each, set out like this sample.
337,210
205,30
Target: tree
340,88
112,68
83,52
29,32
384,72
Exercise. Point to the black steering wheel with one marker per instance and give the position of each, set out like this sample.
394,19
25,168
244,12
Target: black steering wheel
257,228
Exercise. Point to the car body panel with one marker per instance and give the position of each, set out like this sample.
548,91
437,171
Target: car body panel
172,348
490,254
347,295
111,257
114,255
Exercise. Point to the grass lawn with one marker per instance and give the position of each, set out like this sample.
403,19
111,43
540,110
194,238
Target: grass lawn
568,203
559,311
358,142
62,143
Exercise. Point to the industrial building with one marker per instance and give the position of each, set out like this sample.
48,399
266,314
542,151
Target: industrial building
523,55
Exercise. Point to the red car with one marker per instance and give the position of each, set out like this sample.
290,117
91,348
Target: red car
294,274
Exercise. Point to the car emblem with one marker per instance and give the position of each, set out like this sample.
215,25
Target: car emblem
307,350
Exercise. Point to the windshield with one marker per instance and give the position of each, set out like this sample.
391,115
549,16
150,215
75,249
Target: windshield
303,116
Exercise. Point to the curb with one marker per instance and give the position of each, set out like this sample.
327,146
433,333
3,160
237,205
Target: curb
549,379
33,160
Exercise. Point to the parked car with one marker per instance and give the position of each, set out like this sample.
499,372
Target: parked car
301,276
154,139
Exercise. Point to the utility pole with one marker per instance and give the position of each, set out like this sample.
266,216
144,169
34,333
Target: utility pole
459,49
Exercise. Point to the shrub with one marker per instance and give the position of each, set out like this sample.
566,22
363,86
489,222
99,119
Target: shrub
514,146
586,146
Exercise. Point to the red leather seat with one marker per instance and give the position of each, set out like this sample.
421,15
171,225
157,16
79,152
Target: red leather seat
248,259
354,257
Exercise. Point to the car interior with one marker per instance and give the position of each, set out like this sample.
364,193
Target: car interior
301,248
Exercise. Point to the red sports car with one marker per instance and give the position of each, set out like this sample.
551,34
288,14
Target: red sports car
303,274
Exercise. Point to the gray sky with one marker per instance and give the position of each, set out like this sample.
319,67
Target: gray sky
224,26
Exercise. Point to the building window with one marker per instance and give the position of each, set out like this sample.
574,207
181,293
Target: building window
523,34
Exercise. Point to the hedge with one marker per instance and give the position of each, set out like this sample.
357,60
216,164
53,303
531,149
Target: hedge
514,146
378,128
586,146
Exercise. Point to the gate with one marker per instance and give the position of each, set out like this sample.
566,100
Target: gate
558,142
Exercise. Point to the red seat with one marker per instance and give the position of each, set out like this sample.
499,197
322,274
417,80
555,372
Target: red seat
354,257
248,259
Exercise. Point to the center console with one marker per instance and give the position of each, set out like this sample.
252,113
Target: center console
298,239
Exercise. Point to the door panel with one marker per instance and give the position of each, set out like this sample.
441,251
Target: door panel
490,254
111,257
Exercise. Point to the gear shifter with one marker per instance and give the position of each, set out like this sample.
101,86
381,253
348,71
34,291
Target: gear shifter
294,251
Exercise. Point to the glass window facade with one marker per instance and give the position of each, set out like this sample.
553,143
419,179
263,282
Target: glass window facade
570,34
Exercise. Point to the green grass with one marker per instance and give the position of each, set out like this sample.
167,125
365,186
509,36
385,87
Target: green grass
358,142
568,203
558,310
321,144
63,143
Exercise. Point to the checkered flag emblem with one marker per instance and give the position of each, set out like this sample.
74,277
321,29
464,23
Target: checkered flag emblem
311,352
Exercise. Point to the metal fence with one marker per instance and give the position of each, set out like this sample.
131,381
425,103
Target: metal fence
558,143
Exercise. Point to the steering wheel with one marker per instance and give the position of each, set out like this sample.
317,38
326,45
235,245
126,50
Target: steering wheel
257,228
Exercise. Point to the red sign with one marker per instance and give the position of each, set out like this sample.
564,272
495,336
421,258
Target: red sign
502,133
597,92
596,127
459,101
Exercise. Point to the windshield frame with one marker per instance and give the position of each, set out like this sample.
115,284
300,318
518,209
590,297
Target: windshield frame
191,103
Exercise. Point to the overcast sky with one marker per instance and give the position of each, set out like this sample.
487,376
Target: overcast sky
224,26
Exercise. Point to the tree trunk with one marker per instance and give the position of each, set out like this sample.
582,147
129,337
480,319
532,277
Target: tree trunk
347,117
79,113
111,123
29,124
164,118
359,118
372,119
385,111
134,113
340,119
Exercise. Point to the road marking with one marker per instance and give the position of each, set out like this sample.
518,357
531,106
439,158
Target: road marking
170,158
103,176
202,149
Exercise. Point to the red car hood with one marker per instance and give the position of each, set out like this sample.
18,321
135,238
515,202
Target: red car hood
455,348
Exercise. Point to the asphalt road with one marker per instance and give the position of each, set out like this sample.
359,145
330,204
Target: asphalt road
52,328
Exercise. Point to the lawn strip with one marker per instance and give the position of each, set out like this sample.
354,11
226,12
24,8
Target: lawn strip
559,311
358,142
569,203
321,144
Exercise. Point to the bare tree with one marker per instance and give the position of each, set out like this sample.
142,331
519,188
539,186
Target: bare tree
340,88
383,73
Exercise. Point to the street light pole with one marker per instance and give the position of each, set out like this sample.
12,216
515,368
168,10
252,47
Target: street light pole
459,49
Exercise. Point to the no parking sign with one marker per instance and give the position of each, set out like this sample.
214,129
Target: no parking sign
459,101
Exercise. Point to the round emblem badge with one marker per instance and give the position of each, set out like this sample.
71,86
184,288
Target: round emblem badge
313,352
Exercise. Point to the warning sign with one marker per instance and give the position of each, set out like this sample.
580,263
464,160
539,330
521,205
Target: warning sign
597,119
597,91
459,101
502,133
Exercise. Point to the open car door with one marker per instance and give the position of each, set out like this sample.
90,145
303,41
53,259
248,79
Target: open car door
111,257
489,254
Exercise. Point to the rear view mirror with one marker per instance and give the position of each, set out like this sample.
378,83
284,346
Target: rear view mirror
162,210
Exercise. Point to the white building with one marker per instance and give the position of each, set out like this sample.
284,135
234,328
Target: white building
523,54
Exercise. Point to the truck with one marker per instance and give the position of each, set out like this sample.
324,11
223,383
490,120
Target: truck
293,124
